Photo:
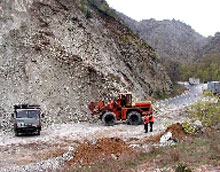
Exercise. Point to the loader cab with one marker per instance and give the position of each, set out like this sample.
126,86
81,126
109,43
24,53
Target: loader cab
126,99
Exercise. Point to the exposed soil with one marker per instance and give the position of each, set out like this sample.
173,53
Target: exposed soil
88,153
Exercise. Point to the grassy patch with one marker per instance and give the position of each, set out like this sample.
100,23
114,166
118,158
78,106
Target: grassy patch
125,162
207,93
207,113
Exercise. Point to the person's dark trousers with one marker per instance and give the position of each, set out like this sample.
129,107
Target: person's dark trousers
151,126
146,128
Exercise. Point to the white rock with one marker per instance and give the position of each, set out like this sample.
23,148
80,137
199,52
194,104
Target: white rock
166,139
198,124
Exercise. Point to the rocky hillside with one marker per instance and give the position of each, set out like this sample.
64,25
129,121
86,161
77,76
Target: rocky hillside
173,40
64,54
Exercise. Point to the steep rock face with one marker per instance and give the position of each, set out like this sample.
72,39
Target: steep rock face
64,54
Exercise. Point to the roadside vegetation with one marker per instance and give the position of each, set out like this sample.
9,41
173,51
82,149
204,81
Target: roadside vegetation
208,113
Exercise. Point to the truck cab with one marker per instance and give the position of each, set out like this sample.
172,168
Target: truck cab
27,119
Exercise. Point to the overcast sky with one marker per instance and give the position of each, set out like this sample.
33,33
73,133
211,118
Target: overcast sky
202,15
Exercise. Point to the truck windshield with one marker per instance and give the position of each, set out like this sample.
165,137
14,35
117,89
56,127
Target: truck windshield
27,114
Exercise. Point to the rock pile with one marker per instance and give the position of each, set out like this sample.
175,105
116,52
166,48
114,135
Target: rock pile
173,133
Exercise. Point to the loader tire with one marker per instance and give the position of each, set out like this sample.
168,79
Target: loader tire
134,118
108,118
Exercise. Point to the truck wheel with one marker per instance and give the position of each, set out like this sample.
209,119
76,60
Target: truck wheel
108,118
134,118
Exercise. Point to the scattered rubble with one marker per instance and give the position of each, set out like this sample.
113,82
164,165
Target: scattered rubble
173,133
166,139
207,168
52,164
51,54
198,124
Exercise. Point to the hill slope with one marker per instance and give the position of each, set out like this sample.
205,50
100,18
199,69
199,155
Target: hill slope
207,65
174,41
212,46
64,54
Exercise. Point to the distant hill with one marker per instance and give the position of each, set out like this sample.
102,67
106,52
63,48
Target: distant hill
212,46
207,65
174,41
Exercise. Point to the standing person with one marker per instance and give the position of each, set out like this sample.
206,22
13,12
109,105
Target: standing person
149,119
146,121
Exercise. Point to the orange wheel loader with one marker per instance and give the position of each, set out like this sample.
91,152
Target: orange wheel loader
121,109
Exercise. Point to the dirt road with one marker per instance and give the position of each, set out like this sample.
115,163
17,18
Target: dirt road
58,139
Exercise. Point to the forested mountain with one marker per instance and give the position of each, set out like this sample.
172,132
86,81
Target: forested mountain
174,41
212,46
207,65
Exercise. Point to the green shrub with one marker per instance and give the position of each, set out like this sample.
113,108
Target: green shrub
207,93
207,113
183,168
188,127
207,69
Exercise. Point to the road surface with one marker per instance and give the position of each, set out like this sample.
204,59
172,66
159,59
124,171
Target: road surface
193,94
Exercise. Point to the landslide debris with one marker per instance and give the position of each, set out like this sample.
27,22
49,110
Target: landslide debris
64,54
177,130
88,153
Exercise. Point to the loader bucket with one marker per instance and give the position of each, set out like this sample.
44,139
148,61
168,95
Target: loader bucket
96,108
87,110
91,106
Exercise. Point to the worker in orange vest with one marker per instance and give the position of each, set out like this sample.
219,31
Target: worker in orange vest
149,119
